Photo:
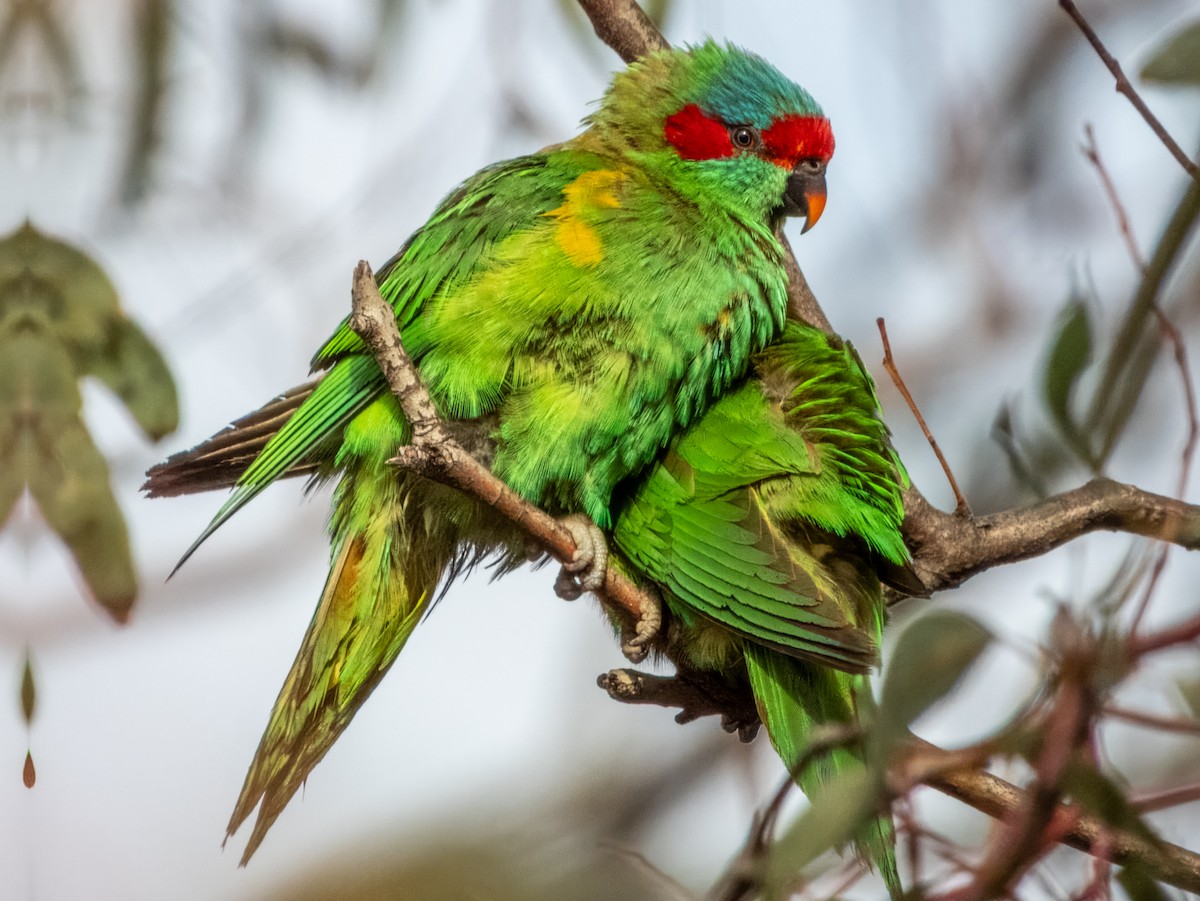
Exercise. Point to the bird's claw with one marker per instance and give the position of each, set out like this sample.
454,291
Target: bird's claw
588,567
636,641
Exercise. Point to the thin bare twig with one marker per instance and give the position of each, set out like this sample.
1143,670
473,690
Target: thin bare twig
960,775
906,820
1171,797
1092,152
961,508
742,878
1186,455
1153,721
997,798
851,872
665,888
1126,357
1186,632
1097,888
1143,604
1023,839
1125,87
1180,355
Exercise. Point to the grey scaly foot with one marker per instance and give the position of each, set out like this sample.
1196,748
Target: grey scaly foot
587,569
635,642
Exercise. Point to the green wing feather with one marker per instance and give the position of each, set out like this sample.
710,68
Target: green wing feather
334,401
459,240
456,243
773,518
798,450
388,559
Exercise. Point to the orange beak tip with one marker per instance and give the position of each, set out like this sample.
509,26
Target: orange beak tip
816,206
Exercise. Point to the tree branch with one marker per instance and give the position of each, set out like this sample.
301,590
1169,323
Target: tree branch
435,454
1125,87
1000,799
624,27
959,776
948,549
1022,841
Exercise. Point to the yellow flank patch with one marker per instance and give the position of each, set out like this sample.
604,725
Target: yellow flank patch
575,237
579,242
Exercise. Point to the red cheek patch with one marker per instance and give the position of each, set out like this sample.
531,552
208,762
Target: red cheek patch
697,137
795,138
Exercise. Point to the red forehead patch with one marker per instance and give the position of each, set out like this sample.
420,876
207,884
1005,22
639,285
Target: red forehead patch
794,138
697,137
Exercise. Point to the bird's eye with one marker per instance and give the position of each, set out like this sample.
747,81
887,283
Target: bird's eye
743,136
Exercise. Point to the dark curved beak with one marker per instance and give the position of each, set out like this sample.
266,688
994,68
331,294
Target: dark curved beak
805,196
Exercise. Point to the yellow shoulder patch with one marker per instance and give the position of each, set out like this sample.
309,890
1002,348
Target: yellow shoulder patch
575,237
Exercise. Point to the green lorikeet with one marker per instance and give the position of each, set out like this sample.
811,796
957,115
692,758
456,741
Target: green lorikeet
768,526
579,306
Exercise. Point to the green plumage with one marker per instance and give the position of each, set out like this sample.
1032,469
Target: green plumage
767,526
578,307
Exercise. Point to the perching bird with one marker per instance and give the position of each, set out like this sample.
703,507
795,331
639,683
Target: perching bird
585,303
768,526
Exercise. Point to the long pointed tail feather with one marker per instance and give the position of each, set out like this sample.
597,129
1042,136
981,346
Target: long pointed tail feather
792,698
381,583
219,462
305,439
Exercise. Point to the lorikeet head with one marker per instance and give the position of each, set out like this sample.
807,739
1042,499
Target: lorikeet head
724,123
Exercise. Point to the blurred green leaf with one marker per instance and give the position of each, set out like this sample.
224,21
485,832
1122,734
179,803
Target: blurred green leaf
60,321
1070,353
1099,795
1176,60
1110,598
28,690
1135,347
1139,886
929,659
1004,434
1189,690
135,371
839,810
1017,740
1140,359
